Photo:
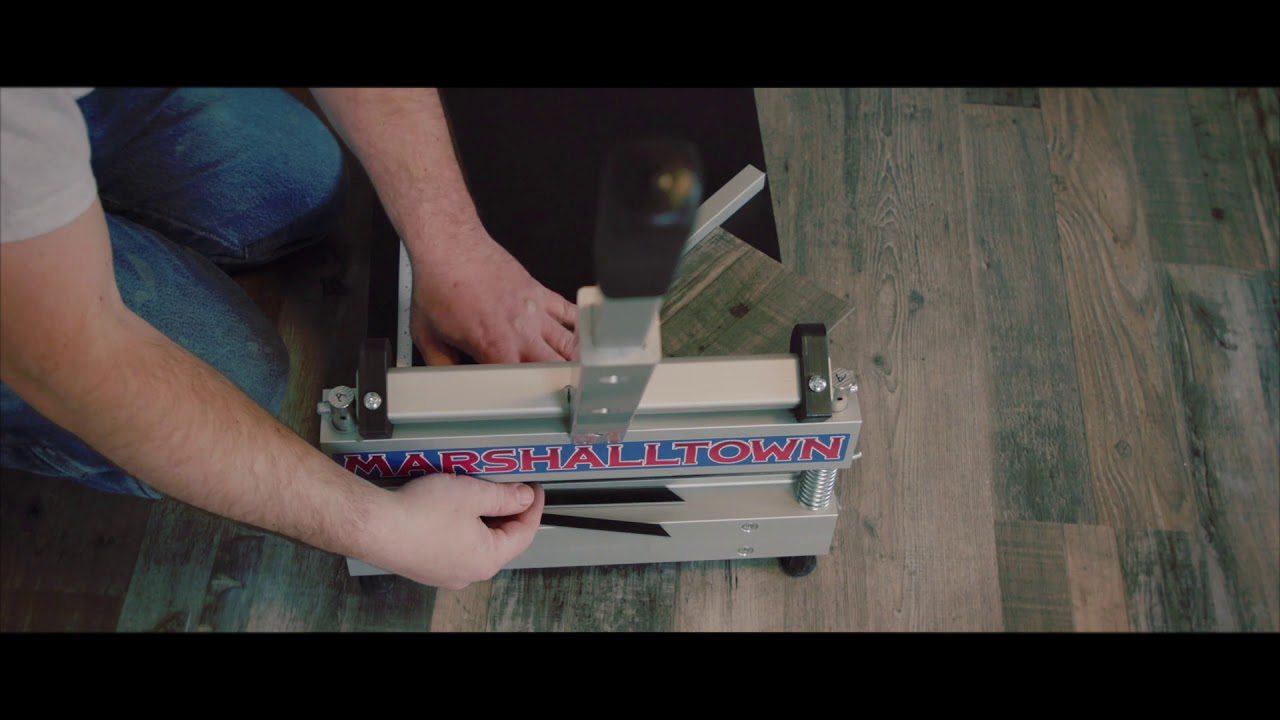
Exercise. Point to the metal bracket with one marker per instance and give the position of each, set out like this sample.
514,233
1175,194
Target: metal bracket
809,342
371,394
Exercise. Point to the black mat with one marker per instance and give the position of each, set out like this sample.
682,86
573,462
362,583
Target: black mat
533,160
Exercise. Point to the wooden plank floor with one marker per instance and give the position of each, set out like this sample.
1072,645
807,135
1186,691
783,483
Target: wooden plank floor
1063,308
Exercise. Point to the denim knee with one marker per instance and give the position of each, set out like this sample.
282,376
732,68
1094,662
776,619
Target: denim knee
241,175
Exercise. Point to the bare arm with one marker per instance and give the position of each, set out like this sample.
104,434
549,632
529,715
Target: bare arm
469,293
79,356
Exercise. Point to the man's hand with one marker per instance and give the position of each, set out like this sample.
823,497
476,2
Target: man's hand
452,530
470,294
485,304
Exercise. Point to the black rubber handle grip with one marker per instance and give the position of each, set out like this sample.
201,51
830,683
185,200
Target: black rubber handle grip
649,197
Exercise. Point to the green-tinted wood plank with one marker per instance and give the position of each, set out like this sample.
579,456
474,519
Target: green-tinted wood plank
1226,179
1137,453
1009,97
1038,426
730,299
1215,330
869,197
607,598
1167,583
1179,219
66,553
1257,113
263,583
175,562
1035,594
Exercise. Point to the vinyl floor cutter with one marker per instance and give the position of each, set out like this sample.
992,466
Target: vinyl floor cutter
643,459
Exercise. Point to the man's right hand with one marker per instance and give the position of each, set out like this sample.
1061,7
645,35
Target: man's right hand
452,530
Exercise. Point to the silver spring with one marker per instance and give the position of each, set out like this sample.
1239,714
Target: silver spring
816,488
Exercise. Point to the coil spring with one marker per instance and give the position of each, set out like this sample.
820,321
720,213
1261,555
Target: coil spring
816,488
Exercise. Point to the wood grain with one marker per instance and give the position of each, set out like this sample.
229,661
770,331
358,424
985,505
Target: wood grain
1098,600
730,299
1042,470
1137,454
607,598
1216,329
870,206
1167,581
1035,590
67,553
1236,218
1257,113
739,596
1009,97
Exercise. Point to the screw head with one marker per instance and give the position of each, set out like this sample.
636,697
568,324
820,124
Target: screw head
372,400
341,396
817,383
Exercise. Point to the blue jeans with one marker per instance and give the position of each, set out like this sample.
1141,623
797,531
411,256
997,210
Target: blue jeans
195,182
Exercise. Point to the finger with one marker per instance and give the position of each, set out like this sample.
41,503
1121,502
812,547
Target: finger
564,312
541,352
435,351
513,536
563,341
494,499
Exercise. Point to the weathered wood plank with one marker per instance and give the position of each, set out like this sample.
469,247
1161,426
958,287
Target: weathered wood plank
1098,602
608,598
870,207
729,298
1216,328
1167,582
738,596
465,610
1235,216
1257,112
174,565
67,553
1035,592
1138,456
1009,97
1181,223
1042,462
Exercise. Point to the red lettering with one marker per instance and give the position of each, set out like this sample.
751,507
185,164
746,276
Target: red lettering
690,448
651,456
528,459
415,463
361,466
451,461
773,451
500,461
616,461
717,452
832,451
584,454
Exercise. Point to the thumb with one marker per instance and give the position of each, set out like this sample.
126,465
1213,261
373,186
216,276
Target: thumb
501,499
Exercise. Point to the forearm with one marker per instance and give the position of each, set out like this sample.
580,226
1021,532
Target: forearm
402,139
86,362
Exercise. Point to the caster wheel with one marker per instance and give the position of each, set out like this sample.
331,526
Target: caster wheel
800,565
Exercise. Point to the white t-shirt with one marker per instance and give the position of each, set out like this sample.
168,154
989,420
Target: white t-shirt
46,180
